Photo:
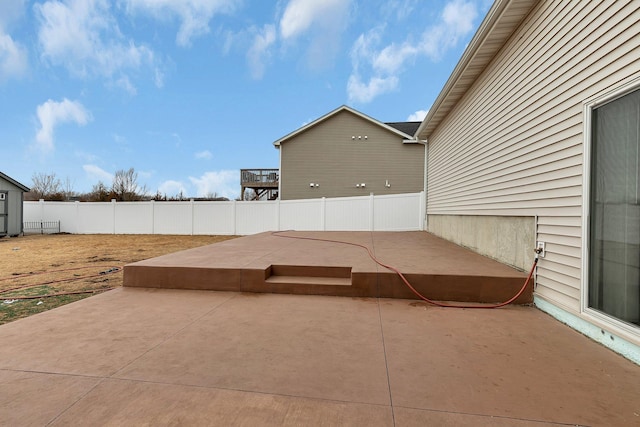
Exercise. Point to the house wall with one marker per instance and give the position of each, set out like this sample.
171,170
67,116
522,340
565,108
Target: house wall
327,155
508,239
513,146
14,207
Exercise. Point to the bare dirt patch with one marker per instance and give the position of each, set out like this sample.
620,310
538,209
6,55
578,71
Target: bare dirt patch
49,264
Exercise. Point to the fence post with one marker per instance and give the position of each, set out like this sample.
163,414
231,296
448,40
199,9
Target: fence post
153,217
41,201
113,206
277,214
77,221
422,211
192,220
235,219
371,208
323,214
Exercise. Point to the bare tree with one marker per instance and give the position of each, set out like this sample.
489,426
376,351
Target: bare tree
99,193
125,185
67,189
46,186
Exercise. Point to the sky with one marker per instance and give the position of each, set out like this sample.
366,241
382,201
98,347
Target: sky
188,92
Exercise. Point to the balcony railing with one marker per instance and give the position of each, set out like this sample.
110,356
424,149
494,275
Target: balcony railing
255,178
263,182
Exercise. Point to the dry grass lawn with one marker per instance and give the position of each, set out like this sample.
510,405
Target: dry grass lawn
48,264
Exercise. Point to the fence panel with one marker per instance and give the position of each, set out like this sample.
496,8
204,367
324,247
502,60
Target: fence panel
134,217
211,218
93,218
348,214
304,215
396,213
173,218
59,211
363,213
256,217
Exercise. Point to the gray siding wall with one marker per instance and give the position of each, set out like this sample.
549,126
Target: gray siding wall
513,146
326,154
14,207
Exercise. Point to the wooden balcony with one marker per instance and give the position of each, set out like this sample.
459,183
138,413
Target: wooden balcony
264,182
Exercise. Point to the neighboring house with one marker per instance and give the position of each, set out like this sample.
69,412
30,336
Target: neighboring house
11,198
534,138
346,153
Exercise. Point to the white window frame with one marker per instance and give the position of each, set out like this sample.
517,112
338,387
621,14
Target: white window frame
588,107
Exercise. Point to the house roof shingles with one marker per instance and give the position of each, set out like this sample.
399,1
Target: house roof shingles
409,128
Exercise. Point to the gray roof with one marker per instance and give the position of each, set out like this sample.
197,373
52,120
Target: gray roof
409,128
14,182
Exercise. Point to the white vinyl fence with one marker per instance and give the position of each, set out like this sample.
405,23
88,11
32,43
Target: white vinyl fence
400,212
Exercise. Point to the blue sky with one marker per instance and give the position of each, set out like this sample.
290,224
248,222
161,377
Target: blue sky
187,92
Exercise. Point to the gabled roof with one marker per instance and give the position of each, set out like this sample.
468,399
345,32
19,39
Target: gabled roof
327,116
14,182
504,17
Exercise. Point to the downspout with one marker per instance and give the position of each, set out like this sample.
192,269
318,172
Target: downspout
279,173
424,184
424,142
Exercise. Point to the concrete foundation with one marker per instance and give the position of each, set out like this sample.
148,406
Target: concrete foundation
508,239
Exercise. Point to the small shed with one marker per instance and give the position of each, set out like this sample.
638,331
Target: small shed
11,198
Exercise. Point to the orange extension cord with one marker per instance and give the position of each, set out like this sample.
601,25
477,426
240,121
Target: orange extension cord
110,270
406,282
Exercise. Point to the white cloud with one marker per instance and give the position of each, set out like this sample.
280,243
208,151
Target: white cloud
52,113
300,15
10,10
96,173
259,53
205,155
399,9
172,188
392,58
385,64
194,15
145,174
366,92
13,58
225,183
84,37
417,116
321,22
124,83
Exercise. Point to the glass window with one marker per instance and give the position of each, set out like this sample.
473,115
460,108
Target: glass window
614,225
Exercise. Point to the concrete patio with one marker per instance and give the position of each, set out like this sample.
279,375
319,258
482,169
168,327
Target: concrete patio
294,263
167,357
142,356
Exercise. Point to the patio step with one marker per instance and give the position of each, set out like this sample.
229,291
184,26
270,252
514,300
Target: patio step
308,275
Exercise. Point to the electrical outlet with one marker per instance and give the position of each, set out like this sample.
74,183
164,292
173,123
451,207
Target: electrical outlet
541,247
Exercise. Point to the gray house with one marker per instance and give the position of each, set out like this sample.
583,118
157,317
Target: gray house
11,198
346,153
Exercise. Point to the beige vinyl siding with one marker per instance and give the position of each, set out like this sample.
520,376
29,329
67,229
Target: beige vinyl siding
326,154
513,145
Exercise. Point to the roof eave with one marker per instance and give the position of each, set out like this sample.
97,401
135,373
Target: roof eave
479,51
14,182
333,113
